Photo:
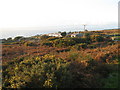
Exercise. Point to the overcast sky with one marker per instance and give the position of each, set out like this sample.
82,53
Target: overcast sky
36,14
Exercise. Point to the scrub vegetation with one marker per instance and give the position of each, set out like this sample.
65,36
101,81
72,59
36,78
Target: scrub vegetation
90,61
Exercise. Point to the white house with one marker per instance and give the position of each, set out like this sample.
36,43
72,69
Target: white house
55,34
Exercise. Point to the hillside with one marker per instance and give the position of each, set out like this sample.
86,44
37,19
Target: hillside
86,59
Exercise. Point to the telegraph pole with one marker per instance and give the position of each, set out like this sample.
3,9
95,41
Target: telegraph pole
84,27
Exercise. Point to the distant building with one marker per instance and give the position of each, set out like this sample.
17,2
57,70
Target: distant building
115,38
54,34
77,35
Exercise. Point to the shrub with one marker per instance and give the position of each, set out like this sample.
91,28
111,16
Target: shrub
63,34
30,44
52,38
97,38
9,39
111,81
91,46
78,40
44,37
103,70
73,56
47,44
62,50
47,72
64,42
18,38
80,46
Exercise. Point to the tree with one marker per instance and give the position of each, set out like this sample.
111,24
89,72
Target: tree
9,39
63,34
18,38
2,40
59,32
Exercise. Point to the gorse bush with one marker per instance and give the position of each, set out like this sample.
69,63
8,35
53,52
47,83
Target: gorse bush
38,73
46,72
51,72
64,42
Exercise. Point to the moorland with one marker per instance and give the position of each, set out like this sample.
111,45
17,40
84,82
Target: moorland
70,61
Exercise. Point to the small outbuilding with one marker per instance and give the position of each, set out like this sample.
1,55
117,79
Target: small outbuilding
77,35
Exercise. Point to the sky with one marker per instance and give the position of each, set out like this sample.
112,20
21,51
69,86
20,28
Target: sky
56,15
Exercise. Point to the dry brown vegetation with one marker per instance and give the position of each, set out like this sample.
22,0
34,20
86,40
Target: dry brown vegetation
56,63
14,51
